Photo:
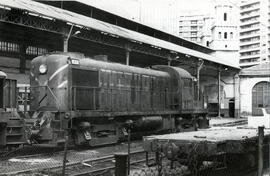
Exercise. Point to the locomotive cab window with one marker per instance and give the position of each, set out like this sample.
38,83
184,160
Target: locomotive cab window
88,78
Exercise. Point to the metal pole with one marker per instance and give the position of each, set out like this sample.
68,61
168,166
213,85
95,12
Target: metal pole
25,100
169,61
66,38
129,131
65,44
260,150
219,93
127,57
198,78
65,156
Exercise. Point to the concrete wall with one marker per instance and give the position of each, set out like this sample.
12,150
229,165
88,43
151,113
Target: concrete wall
246,86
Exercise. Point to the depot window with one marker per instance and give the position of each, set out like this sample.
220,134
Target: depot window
225,16
225,35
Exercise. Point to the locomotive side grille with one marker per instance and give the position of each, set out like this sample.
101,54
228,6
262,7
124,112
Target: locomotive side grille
85,91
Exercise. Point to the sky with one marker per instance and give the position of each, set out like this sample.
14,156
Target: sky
202,6
128,8
156,17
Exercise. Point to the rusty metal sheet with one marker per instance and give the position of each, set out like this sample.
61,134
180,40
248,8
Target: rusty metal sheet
55,13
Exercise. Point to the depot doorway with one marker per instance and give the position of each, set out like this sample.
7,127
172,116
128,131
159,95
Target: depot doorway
231,107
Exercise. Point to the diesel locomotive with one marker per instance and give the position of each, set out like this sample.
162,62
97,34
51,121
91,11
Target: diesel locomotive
91,101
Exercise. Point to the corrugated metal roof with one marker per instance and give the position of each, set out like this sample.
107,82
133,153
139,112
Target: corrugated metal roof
77,19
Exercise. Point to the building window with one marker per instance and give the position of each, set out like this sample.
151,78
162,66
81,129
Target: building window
193,28
193,21
33,50
193,33
231,35
225,35
225,16
9,47
219,35
194,39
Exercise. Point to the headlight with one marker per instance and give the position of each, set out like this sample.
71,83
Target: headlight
42,68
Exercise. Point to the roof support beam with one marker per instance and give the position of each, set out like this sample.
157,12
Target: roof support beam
22,56
219,96
128,50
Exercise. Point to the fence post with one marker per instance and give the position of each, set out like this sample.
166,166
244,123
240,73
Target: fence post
121,164
260,150
65,155
129,124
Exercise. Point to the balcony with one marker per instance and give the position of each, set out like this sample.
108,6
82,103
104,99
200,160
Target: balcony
252,15
250,9
248,22
251,28
247,64
249,49
249,42
251,56
249,35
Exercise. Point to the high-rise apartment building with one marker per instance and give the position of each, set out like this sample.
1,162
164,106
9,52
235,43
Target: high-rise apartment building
191,27
253,32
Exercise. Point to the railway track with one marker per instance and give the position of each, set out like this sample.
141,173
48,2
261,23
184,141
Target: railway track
97,166
31,151
53,161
